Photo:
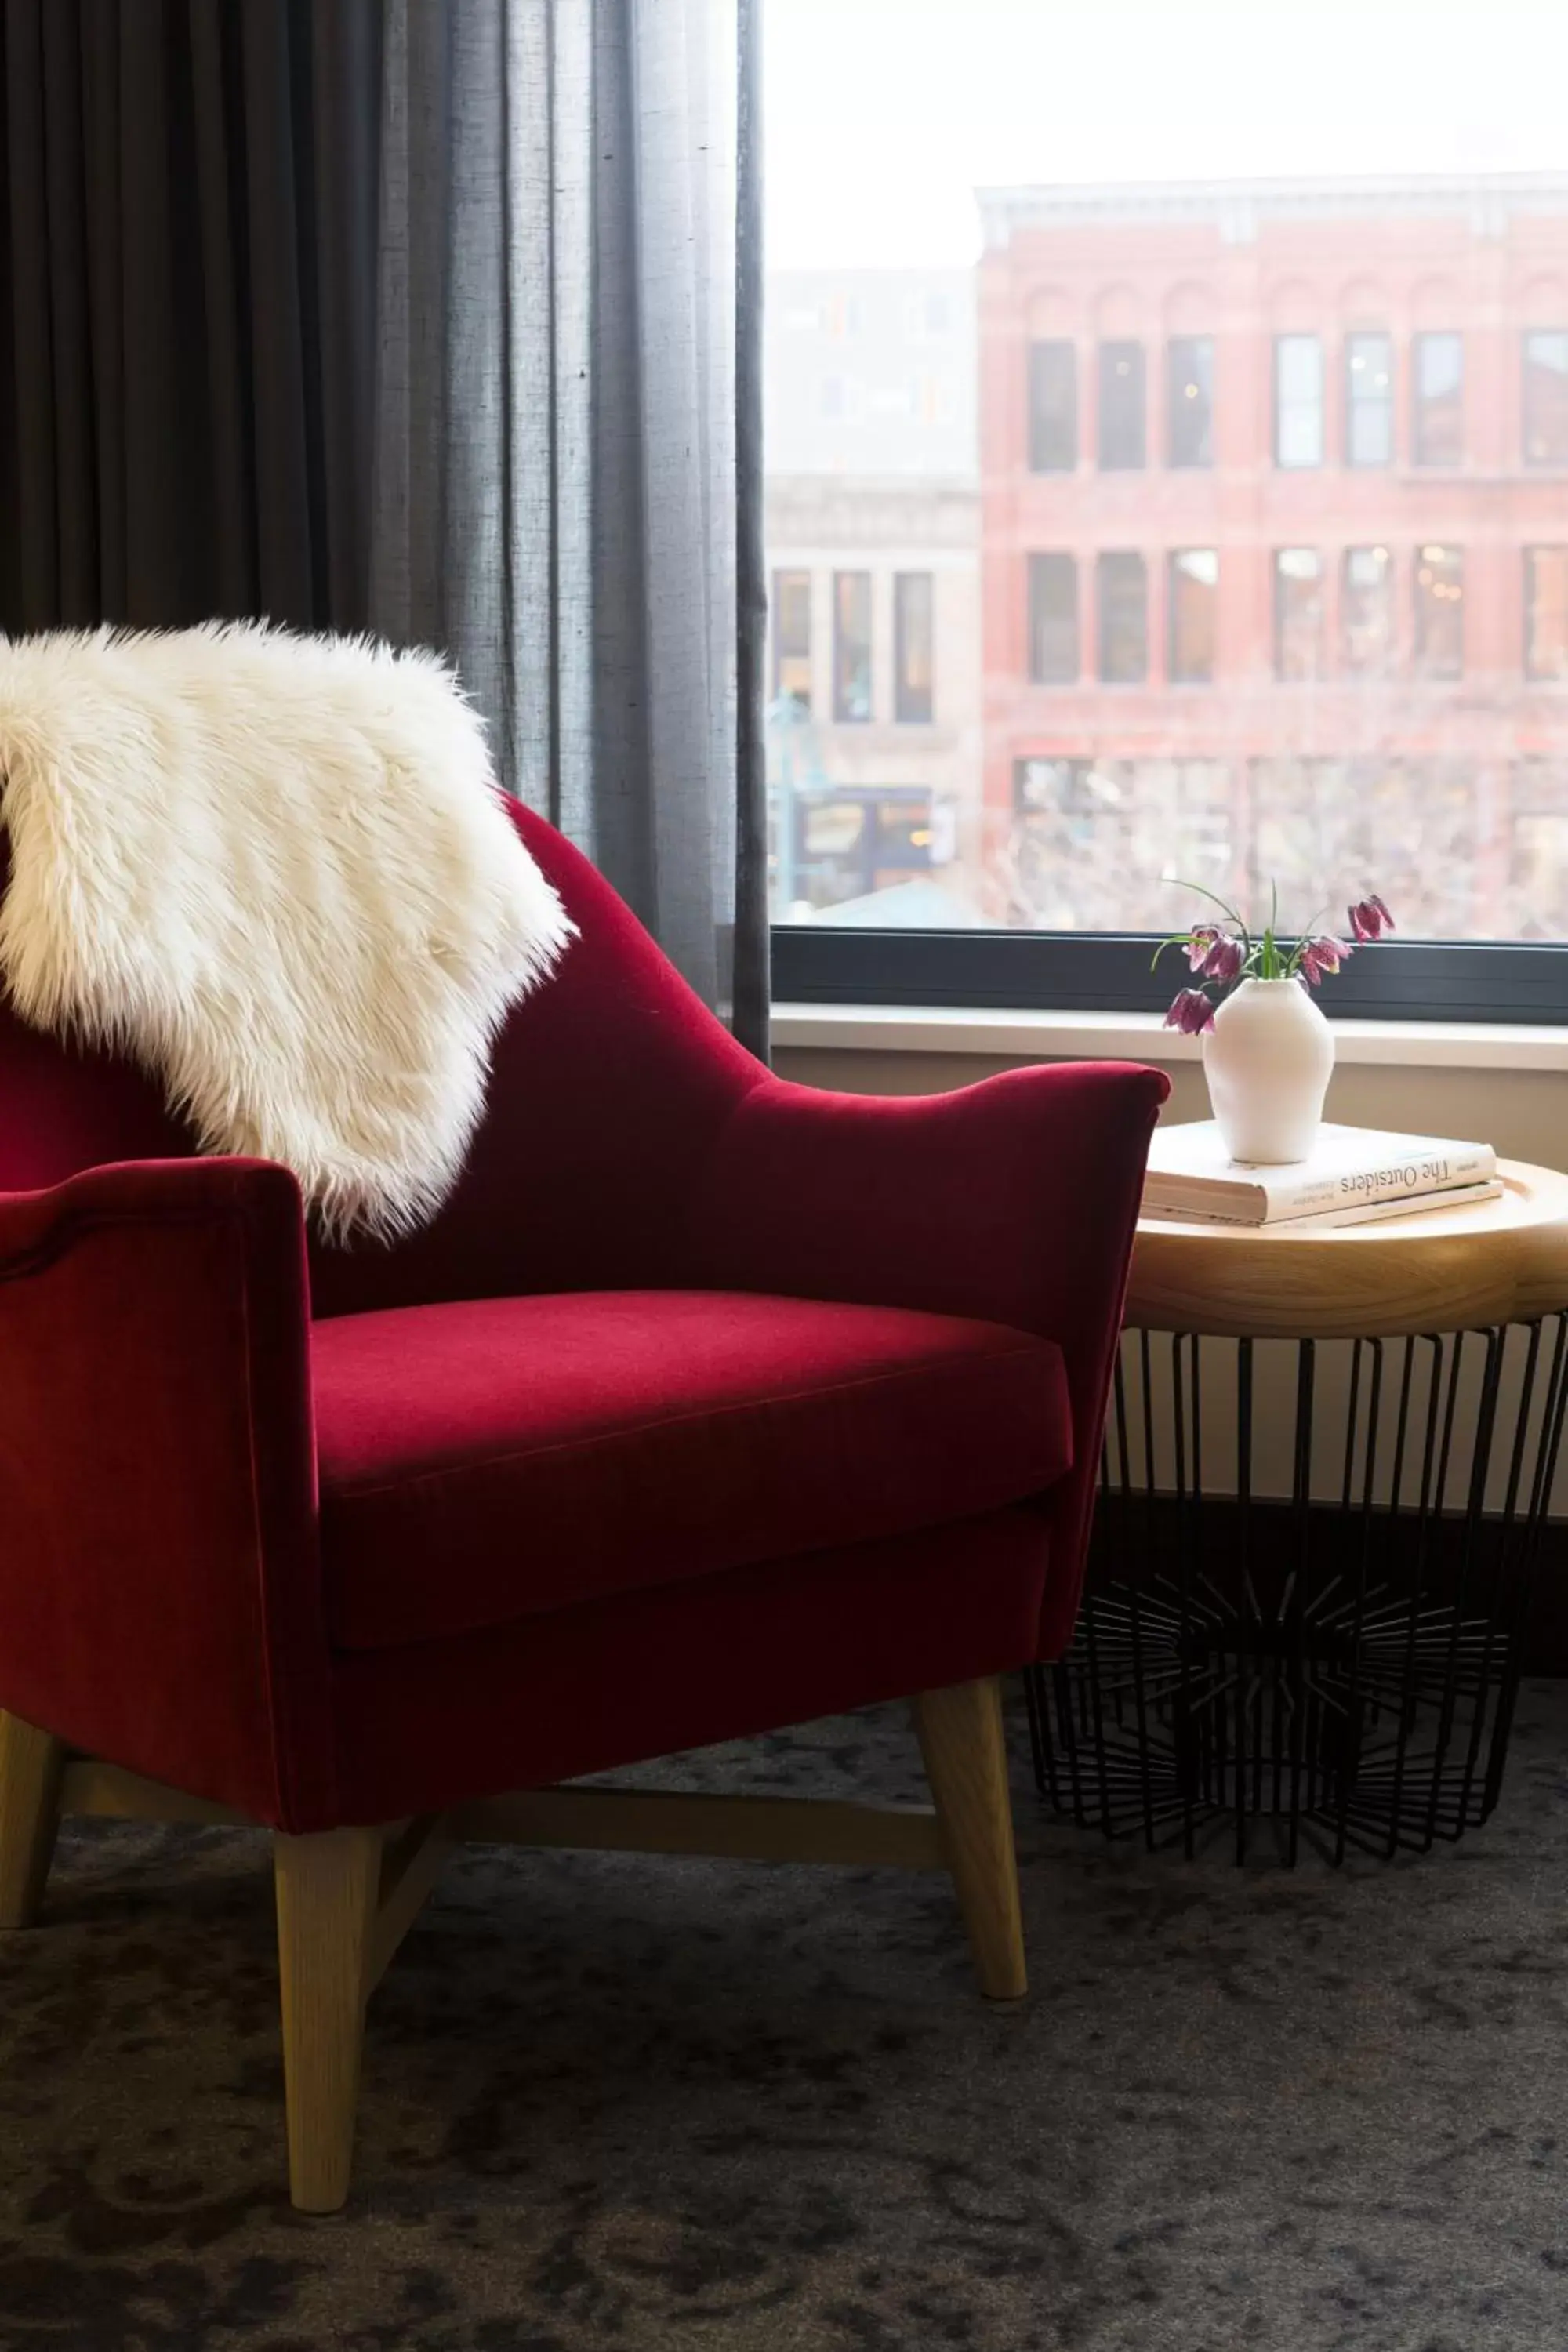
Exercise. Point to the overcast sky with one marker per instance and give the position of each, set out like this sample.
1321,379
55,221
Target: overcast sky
883,114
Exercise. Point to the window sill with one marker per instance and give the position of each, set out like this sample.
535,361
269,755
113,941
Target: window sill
1140,1036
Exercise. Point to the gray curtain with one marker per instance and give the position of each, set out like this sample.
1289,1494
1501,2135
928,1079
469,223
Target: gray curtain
187,267
439,316
566,430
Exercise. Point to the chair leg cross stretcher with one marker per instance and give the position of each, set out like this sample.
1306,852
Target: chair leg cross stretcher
346,1897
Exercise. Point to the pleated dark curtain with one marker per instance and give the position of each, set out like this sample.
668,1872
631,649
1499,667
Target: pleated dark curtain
565,417
435,315
188,271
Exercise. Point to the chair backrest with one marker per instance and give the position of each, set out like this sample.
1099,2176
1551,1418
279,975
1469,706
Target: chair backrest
612,1053
62,1110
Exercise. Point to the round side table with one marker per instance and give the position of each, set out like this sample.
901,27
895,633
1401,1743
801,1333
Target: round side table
1328,1464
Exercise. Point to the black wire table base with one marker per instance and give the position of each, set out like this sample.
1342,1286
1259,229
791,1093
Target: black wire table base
1325,1647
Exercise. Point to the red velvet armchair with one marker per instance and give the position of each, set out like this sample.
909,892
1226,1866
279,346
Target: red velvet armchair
709,1403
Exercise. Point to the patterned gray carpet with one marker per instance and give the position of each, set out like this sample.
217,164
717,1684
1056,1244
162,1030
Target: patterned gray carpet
643,2105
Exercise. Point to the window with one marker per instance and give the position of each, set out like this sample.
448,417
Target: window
792,638
1121,407
927,317
1054,785
913,648
1298,612
931,398
1172,436
1369,400
1546,398
852,646
1082,829
1539,848
1366,613
1123,619
1192,591
1546,613
1052,619
1298,400
1053,408
1189,401
1438,391
1439,612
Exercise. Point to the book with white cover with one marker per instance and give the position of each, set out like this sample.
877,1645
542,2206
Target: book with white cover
1365,1213
1191,1171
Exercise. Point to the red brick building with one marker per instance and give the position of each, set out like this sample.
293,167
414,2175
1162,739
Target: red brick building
1275,548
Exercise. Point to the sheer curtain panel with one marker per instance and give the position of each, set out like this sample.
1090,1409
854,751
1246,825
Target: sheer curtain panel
565,207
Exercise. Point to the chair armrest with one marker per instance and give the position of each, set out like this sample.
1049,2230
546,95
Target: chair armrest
1014,1200
160,1597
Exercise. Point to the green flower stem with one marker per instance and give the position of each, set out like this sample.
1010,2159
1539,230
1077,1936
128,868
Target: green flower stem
1247,949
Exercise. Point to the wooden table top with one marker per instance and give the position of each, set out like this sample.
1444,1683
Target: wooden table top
1503,1261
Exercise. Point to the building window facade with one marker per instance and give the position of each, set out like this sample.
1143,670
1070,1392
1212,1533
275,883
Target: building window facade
1439,611
1388,365
1438,400
928,317
792,638
1546,397
1057,786
1122,430
1367,619
1052,619
1053,407
1192,601
1298,614
852,647
1189,401
1121,618
914,648
1298,401
1546,613
1369,400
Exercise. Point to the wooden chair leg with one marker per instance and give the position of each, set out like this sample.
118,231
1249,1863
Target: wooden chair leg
30,1766
961,1740
327,1888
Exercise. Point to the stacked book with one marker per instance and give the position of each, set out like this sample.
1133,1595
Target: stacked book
1355,1174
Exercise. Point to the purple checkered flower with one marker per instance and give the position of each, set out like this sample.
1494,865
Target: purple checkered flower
1369,918
1223,962
1190,1013
1323,955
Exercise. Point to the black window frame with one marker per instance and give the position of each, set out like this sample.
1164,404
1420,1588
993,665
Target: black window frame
1103,971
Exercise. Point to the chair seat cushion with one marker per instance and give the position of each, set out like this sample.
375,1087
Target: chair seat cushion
497,1458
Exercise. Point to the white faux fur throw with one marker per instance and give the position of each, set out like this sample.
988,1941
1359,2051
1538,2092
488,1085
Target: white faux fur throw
277,871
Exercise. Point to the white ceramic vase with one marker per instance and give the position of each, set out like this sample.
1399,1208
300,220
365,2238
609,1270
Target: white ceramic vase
1268,1059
